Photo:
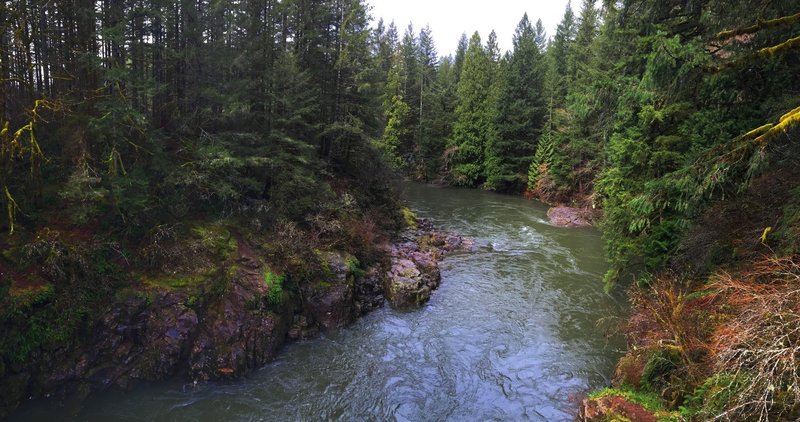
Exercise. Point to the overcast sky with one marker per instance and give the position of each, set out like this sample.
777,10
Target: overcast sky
448,19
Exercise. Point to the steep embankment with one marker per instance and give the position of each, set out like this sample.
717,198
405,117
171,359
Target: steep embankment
717,337
217,301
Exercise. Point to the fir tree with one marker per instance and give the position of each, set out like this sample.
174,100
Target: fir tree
558,80
520,113
474,124
461,54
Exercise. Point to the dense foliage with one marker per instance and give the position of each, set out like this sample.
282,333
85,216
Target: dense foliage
146,139
120,120
641,108
135,107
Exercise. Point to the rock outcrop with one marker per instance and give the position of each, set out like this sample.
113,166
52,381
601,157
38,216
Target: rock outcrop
572,217
614,408
414,271
228,323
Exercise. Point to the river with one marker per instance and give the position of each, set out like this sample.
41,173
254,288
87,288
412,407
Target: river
517,331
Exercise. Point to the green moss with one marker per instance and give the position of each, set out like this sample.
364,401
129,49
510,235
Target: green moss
274,284
322,285
171,282
649,401
325,269
38,317
410,217
354,266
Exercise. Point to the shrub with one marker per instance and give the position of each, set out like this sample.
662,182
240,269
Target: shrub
84,194
56,258
354,266
760,342
713,396
215,239
410,218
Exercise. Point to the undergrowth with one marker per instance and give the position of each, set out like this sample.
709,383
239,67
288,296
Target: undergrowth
727,349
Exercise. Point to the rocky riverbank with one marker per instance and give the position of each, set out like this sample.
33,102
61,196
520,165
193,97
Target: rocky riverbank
573,217
231,322
414,270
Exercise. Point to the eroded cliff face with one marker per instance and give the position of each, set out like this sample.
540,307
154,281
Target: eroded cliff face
233,320
158,334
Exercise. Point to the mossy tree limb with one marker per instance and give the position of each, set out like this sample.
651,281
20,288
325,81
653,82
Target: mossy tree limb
20,144
785,20
786,123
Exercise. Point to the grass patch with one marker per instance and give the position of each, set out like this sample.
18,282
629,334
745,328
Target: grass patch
129,293
24,299
274,284
172,282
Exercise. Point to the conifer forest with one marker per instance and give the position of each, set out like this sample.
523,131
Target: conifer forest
187,185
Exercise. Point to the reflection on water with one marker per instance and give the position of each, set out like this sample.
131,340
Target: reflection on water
512,334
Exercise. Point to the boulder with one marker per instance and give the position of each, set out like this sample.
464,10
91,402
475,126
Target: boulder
572,217
330,303
414,265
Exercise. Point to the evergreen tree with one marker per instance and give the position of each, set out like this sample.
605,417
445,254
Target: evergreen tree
396,132
430,144
541,36
461,54
442,116
520,113
493,47
579,52
474,124
558,80
411,90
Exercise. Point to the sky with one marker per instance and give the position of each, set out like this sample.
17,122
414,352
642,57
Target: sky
448,19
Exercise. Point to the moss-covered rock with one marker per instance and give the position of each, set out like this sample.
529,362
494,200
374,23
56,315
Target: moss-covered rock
330,303
622,405
414,267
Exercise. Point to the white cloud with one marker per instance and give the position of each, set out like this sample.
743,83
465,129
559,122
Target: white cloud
448,19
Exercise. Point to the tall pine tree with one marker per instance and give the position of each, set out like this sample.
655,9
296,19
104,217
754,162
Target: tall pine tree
520,113
475,123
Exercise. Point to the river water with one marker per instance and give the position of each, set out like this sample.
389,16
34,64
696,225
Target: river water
517,331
